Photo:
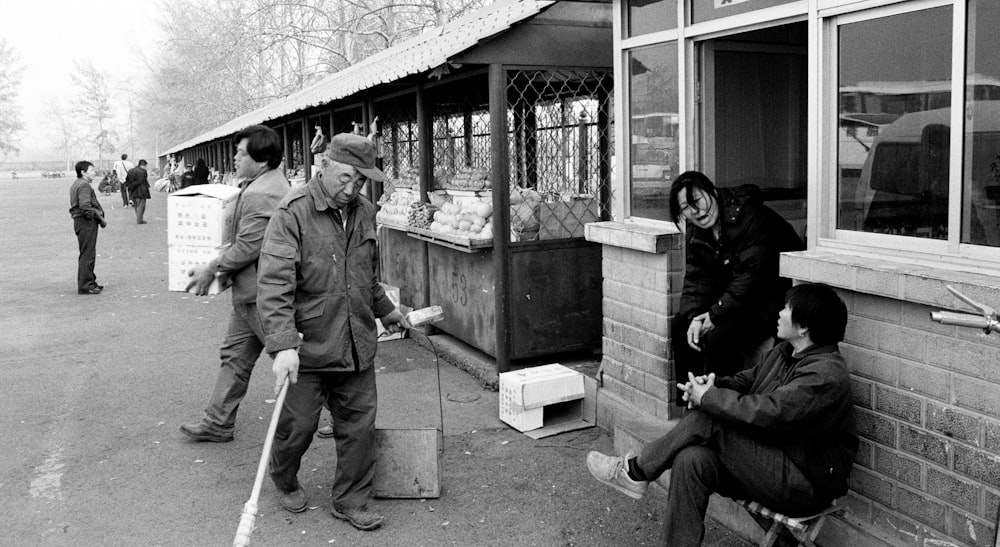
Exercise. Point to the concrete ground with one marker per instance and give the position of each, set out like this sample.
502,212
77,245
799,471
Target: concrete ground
94,388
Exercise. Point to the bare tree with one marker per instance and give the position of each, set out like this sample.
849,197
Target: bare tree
10,112
64,132
93,103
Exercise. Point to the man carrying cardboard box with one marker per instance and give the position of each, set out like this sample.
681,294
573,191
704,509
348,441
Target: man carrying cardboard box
259,152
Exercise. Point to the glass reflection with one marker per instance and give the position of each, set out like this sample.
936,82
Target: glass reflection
981,161
645,16
893,134
652,128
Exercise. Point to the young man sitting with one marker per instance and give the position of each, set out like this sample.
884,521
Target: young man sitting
781,433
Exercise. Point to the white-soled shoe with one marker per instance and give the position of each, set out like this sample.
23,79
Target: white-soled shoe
611,471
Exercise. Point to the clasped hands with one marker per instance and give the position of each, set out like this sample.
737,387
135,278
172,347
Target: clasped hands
695,388
286,361
700,325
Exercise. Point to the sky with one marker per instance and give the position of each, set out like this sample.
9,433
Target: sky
117,36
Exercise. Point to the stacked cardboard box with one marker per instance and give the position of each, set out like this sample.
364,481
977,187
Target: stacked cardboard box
200,225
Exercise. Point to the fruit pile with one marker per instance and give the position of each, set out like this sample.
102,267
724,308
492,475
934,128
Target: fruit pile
420,215
469,178
395,208
468,218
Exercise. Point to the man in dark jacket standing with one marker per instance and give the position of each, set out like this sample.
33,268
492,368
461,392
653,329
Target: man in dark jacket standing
259,151
781,433
137,182
732,287
87,216
318,297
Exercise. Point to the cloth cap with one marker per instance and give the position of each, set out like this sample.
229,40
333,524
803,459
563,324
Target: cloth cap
357,151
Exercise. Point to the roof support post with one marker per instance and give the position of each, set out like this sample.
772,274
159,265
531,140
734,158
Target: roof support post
499,173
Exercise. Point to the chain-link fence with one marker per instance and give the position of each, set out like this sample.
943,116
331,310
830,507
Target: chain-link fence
397,121
560,141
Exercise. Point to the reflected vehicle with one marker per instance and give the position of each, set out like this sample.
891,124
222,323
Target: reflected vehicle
654,158
903,187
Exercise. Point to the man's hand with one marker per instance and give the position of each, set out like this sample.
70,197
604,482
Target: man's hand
700,325
286,365
201,279
695,388
395,322
102,222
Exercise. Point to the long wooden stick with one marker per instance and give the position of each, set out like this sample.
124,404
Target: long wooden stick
249,515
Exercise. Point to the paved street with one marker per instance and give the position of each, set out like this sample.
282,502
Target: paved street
94,388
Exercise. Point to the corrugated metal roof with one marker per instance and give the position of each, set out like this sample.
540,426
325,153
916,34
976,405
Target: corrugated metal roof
418,54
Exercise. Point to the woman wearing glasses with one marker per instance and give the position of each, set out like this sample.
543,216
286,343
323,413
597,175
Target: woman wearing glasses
732,291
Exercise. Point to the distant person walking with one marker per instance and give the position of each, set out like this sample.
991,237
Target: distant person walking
121,168
87,216
137,182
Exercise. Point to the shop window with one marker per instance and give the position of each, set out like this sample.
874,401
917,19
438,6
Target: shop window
652,128
894,76
707,10
981,160
646,16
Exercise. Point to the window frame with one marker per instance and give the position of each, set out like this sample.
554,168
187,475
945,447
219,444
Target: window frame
949,252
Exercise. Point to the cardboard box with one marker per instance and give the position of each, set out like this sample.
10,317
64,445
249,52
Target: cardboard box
407,463
393,294
201,215
180,260
550,399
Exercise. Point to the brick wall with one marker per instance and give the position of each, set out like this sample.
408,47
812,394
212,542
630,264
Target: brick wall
641,292
927,399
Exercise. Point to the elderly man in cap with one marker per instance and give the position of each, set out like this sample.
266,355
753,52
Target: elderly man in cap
318,297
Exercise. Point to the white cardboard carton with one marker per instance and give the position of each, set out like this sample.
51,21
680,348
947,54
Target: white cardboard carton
201,215
180,260
539,397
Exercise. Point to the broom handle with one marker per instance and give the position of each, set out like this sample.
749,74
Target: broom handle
268,441
249,515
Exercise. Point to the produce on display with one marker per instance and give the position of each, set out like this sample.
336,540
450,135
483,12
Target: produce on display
524,204
469,178
471,218
420,215
395,208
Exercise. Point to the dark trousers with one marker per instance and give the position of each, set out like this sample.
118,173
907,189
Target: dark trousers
86,236
239,353
140,209
706,456
723,349
352,400
124,193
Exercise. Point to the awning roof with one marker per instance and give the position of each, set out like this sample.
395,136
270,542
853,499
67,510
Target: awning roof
414,56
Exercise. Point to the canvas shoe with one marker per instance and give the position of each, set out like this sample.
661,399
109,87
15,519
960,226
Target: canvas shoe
611,471
360,517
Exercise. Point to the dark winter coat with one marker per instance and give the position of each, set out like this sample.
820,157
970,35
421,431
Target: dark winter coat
137,182
736,278
800,403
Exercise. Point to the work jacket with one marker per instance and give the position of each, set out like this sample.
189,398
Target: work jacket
319,279
736,278
800,403
256,203
137,182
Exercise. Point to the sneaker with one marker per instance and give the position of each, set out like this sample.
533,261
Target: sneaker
611,471
359,517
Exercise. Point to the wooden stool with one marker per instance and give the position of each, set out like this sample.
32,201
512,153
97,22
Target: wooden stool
804,529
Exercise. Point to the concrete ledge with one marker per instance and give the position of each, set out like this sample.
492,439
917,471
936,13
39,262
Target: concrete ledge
480,365
890,277
634,236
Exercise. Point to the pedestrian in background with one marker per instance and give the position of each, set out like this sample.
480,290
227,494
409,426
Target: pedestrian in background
137,182
87,216
318,296
121,169
259,151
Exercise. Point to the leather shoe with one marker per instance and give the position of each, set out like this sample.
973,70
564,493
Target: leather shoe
199,432
294,501
91,290
325,432
142,222
360,517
